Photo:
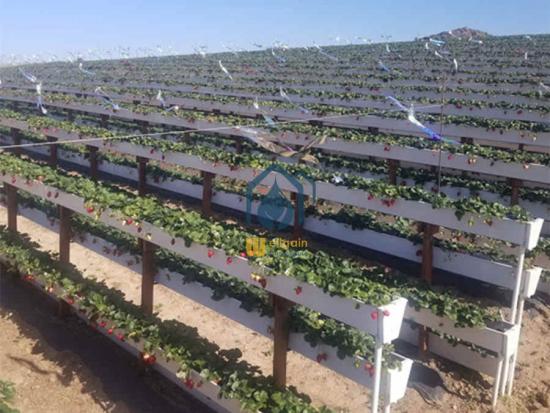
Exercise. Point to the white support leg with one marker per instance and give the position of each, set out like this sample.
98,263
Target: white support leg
377,375
387,408
496,385
504,376
510,383
519,278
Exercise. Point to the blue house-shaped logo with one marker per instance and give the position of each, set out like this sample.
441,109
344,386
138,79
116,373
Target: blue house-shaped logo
276,211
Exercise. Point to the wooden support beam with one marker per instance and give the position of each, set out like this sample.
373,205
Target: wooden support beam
393,166
144,127
281,309
104,120
298,229
92,153
148,276
70,115
239,145
65,234
468,141
11,203
207,184
142,175
516,185
16,139
52,161
428,231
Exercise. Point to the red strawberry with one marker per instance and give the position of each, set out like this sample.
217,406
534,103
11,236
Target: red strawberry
321,357
243,254
69,300
13,180
90,210
418,253
210,253
370,197
110,331
121,337
103,324
374,315
298,290
189,383
263,282
129,221
386,313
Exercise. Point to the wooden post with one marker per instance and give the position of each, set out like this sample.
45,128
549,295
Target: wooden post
70,115
207,183
63,308
281,308
516,185
104,119
393,165
239,145
92,152
148,276
298,229
144,127
142,175
11,202
65,234
16,139
428,231
53,152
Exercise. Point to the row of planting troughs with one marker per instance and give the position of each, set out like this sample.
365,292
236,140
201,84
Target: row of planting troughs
465,196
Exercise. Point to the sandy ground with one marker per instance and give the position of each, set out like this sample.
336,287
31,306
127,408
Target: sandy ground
56,369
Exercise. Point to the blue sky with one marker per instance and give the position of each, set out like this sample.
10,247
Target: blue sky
31,26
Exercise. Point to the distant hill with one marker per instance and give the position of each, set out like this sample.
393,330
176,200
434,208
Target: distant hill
464,32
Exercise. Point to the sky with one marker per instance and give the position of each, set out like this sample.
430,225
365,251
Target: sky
57,27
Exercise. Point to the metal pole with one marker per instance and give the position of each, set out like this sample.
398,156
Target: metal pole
377,373
497,382
510,383
505,367
517,287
